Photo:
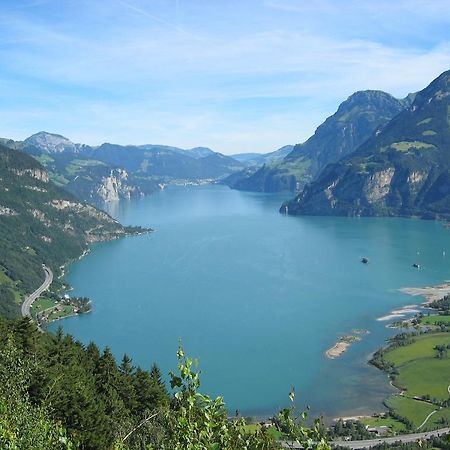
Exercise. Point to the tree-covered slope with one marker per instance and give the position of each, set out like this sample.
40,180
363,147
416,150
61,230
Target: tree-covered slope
355,121
40,223
56,393
402,170
49,384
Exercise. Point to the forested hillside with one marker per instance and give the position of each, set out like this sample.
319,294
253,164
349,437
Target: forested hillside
40,224
356,119
57,394
402,170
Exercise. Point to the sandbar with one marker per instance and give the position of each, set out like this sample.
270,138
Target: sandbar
430,293
341,346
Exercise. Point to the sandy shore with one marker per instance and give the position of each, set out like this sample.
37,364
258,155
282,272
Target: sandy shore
431,293
399,314
351,418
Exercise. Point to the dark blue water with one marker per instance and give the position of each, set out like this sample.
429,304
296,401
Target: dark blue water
256,296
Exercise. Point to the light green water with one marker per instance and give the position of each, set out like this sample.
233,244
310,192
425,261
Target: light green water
257,296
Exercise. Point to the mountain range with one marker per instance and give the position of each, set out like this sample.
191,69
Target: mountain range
377,155
259,159
357,118
110,172
402,169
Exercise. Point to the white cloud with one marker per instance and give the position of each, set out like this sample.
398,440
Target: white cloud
147,77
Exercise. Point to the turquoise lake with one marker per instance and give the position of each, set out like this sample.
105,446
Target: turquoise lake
256,296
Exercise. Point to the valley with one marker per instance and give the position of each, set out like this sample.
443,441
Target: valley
231,278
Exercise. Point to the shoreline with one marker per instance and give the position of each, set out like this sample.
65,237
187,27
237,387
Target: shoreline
129,231
429,293
66,287
45,325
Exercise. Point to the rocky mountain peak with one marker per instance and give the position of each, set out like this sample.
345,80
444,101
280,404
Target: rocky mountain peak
368,100
51,143
437,90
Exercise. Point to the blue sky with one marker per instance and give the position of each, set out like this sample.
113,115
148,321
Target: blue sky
237,76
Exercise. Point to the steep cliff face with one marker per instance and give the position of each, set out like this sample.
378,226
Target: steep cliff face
38,174
355,121
115,187
402,170
103,184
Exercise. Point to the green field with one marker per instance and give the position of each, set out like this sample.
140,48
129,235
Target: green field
43,303
426,377
421,374
432,320
413,410
66,311
4,279
78,164
435,420
390,422
40,304
404,146
271,431
11,285
421,348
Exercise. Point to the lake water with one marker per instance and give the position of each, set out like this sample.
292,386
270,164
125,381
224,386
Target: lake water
256,296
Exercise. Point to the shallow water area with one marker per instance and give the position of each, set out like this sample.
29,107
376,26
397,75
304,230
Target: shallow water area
256,296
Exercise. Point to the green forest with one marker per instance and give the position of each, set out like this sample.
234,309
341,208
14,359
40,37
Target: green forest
56,393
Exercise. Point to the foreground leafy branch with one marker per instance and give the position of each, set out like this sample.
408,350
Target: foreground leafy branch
56,393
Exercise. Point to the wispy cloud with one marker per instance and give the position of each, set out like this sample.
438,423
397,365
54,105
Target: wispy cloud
145,13
256,75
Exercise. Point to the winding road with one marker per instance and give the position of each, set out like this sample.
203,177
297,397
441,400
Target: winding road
355,445
26,305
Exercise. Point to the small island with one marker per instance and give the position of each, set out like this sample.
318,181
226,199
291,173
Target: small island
341,346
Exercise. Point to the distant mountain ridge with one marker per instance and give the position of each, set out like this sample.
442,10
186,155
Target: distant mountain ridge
258,159
357,118
404,169
164,161
111,172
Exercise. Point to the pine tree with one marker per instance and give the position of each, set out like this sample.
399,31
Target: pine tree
156,375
